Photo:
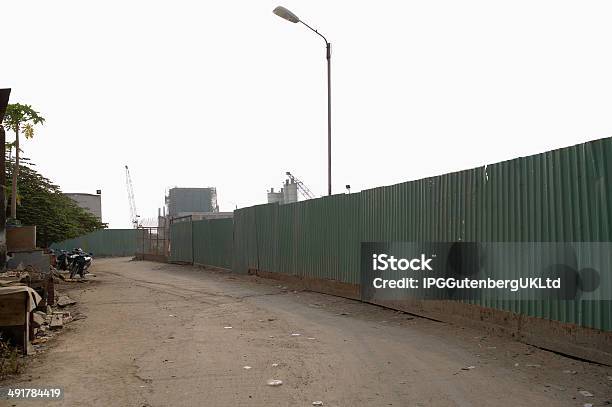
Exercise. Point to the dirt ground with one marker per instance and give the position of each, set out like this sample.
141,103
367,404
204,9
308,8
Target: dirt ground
158,335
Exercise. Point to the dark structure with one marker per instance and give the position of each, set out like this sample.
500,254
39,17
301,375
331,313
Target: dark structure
4,98
185,201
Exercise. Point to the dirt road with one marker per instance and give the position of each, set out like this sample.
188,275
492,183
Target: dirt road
159,335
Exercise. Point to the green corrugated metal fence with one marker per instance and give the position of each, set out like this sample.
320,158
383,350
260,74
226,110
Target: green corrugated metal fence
181,242
213,242
206,242
558,196
104,242
245,241
561,195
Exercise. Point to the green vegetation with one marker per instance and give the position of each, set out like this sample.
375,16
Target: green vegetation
42,203
19,118
35,198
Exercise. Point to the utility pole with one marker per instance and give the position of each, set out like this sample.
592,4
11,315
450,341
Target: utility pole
282,12
4,98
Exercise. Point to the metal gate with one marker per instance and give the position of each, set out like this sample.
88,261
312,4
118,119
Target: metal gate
152,243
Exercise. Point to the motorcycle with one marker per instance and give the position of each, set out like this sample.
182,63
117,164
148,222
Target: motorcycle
62,260
79,262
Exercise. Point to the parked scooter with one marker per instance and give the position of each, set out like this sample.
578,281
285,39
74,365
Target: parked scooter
79,262
62,260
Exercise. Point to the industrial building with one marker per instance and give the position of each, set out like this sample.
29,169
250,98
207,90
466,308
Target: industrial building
92,203
289,192
183,201
197,203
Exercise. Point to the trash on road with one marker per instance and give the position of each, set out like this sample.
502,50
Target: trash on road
468,368
227,327
274,382
247,367
586,393
274,364
296,334
317,403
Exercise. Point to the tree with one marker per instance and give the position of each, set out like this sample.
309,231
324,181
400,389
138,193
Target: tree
42,203
20,118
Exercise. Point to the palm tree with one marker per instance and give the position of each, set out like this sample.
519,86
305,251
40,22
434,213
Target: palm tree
20,118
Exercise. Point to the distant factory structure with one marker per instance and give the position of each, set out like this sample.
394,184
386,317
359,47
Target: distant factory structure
191,203
183,201
92,203
289,192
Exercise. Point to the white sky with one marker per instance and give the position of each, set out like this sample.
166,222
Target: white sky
226,94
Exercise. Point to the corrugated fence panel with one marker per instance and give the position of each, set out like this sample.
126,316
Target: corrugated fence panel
562,195
181,242
318,238
245,240
266,228
104,242
348,238
213,242
287,241
558,196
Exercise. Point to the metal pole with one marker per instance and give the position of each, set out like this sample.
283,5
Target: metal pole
2,199
328,56
329,171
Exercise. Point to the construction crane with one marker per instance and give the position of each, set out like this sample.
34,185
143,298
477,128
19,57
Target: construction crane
306,193
130,190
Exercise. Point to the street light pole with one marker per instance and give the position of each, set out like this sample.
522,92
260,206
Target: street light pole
289,16
329,182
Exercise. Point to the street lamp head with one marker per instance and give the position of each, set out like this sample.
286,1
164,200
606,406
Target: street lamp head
286,14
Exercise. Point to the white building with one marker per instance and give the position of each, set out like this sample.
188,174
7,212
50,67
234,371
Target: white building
90,202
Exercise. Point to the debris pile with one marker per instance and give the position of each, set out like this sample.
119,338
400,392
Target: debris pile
40,282
31,309
47,323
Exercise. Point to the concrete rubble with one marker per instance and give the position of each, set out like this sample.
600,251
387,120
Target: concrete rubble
34,326
64,301
56,322
49,324
38,319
